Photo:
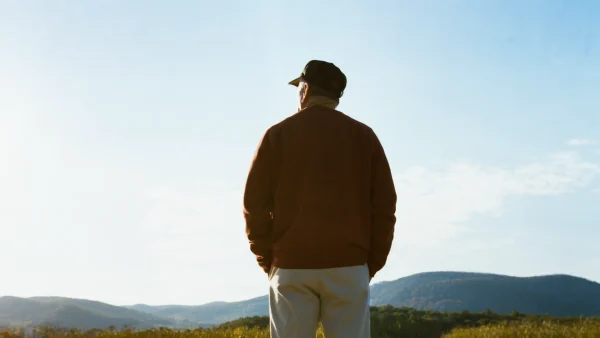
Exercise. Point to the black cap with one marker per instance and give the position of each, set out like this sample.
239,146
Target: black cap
325,75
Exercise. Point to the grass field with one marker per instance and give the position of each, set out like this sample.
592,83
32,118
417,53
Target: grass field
583,329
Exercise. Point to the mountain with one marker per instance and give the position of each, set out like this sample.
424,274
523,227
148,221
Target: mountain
556,295
211,313
75,313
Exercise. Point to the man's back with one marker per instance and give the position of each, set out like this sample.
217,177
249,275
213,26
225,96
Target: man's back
332,193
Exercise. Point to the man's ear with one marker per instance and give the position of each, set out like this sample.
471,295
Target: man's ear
305,90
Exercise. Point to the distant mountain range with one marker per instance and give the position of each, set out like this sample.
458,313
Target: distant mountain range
76,313
211,313
556,295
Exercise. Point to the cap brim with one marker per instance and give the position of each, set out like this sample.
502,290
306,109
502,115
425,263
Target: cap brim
296,82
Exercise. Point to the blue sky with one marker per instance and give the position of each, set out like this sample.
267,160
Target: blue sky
127,130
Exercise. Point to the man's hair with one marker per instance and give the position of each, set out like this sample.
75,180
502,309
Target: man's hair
318,91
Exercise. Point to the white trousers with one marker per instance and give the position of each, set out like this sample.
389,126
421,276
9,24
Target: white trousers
338,298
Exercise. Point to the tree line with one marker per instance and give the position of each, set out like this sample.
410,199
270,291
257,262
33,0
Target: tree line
389,321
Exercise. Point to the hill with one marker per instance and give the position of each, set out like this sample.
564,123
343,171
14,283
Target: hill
75,313
211,313
555,295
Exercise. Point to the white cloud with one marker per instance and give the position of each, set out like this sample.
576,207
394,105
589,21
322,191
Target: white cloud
583,142
433,204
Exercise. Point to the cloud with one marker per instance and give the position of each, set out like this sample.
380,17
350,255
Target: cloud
438,209
577,142
434,205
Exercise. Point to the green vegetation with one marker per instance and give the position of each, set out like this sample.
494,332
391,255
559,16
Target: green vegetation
579,329
149,333
261,322
386,322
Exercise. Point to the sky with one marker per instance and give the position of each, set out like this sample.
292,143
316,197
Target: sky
127,130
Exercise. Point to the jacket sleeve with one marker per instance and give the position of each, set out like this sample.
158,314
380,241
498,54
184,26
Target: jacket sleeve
383,208
258,204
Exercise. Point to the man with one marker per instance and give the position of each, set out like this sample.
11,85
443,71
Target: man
319,206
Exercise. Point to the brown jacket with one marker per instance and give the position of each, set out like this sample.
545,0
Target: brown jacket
320,194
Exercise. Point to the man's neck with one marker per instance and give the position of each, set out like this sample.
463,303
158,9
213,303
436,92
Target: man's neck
320,101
